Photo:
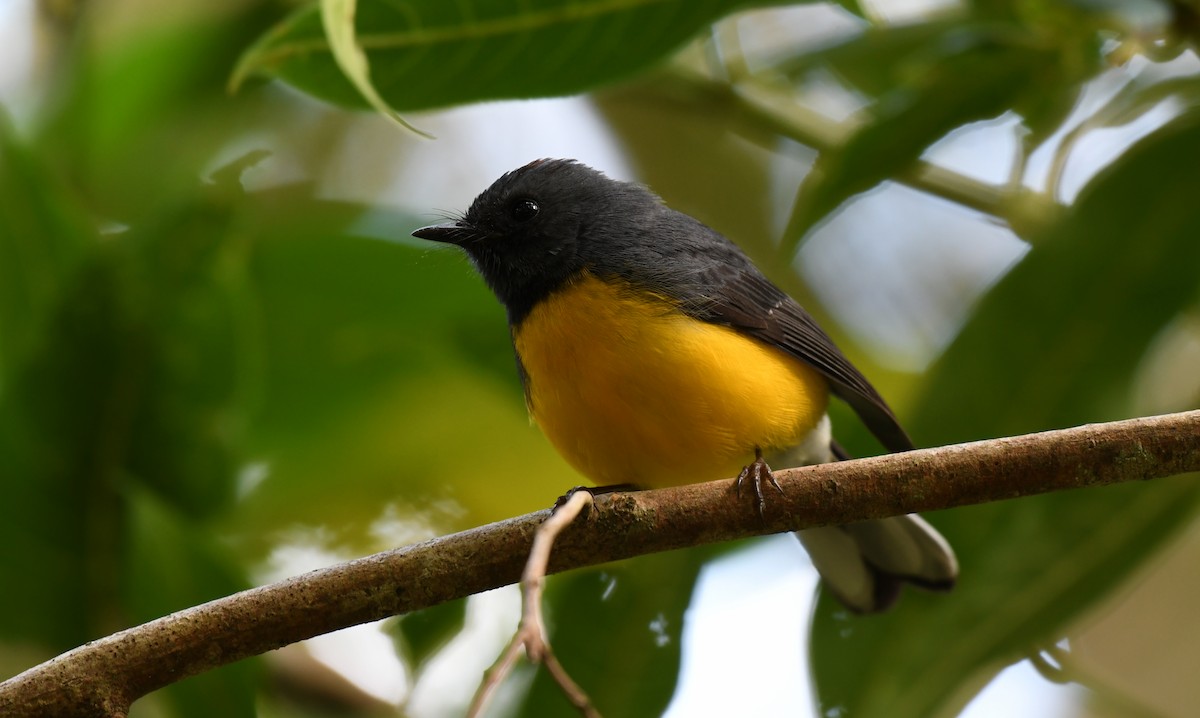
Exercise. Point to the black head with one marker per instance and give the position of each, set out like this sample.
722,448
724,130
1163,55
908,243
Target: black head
539,225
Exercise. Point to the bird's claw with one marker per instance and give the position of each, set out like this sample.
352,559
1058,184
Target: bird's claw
756,472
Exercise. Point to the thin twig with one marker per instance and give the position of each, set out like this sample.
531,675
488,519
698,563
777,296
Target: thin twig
764,106
531,631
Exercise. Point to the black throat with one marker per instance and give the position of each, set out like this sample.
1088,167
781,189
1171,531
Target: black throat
521,290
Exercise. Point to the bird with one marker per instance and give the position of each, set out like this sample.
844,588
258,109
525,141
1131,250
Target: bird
653,352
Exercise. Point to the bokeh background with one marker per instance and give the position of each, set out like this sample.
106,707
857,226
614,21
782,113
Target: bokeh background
224,361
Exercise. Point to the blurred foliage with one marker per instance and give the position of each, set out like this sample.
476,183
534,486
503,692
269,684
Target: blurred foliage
194,368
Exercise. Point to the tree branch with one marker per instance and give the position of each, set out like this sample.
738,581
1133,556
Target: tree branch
104,677
773,111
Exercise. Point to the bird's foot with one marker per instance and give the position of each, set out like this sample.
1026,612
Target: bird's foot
756,473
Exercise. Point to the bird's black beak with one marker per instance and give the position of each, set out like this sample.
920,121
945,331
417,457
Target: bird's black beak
448,232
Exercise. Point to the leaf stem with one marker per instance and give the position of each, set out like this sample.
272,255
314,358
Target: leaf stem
767,107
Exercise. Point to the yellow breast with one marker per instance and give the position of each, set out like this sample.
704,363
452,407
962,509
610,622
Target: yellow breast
629,389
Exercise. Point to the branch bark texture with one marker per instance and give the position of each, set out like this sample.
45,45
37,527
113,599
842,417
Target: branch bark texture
104,677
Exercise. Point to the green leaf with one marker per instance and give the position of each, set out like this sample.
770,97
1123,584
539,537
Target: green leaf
337,19
1056,344
432,53
617,631
133,381
62,429
984,68
43,236
186,282
422,634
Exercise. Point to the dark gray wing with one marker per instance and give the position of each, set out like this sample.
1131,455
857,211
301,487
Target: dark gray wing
749,302
714,281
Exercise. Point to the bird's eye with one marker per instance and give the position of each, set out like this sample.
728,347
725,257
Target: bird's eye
523,210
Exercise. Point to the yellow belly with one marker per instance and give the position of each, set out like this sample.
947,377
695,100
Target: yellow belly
628,389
